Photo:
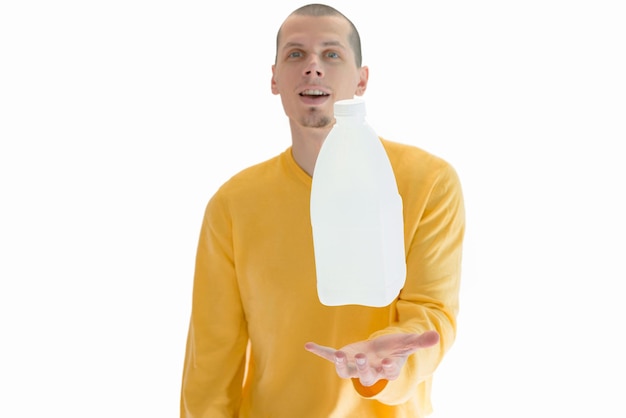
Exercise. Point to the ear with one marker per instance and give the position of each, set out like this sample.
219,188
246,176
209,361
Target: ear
364,73
274,86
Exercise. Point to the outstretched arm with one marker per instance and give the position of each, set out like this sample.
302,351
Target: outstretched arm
427,306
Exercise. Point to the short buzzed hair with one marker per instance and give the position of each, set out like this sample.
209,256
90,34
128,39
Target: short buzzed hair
316,9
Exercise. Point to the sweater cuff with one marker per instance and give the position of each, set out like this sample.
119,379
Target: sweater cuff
369,391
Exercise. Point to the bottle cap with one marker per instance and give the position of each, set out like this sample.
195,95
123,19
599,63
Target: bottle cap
350,107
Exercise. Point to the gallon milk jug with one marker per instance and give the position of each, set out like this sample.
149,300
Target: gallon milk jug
356,215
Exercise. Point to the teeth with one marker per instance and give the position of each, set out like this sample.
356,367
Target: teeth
313,93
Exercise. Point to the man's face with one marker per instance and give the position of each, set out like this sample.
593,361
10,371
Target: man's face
314,68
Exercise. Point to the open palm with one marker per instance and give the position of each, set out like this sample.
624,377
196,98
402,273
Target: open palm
372,360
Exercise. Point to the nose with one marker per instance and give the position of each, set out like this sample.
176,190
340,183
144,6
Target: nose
313,68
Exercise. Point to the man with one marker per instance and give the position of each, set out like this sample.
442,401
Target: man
256,317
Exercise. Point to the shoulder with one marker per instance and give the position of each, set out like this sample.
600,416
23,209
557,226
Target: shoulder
422,176
240,188
251,178
424,180
416,163
257,183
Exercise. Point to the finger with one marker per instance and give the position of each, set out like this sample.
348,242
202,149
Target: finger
342,366
428,339
416,341
365,373
327,353
391,370
410,343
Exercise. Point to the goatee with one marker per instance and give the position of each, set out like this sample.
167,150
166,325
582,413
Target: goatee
316,120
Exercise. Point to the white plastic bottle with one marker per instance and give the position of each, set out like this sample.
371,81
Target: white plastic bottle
356,215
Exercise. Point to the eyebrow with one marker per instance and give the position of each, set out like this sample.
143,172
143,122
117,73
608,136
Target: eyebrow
299,45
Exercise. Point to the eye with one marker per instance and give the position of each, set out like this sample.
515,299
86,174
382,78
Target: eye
295,54
332,54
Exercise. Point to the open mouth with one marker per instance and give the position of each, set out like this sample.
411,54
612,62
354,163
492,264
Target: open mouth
314,93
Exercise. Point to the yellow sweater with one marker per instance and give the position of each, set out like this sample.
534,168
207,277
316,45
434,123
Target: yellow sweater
255,284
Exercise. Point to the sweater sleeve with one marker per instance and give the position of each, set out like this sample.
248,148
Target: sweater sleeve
430,297
217,339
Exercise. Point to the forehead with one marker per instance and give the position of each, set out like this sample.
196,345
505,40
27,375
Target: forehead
314,29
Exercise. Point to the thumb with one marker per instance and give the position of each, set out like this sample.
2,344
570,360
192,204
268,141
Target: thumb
428,339
413,342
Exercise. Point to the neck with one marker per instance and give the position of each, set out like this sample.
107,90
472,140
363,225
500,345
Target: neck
306,144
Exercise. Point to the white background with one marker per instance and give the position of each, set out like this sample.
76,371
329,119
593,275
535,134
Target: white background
119,120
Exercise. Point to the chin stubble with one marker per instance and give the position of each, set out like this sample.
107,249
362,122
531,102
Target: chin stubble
314,120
